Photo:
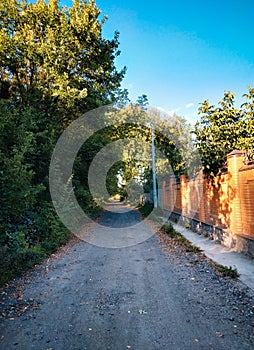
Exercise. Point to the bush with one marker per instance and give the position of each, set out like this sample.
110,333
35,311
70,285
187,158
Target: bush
29,240
145,209
14,262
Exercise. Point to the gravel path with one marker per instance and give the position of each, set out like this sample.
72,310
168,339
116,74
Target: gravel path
153,295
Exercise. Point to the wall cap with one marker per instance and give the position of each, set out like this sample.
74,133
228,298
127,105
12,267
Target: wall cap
235,152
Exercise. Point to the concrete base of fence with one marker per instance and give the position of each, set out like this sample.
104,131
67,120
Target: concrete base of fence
215,233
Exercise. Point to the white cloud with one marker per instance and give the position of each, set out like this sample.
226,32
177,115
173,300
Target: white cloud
171,113
189,105
161,109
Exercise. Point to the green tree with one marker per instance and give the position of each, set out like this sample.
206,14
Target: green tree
172,140
60,52
224,128
216,134
55,66
246,138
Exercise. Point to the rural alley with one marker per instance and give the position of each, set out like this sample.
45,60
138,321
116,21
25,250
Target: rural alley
153,295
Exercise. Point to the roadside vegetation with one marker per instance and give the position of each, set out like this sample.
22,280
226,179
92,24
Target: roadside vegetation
55,66
145,209
178,238
224,128
226,271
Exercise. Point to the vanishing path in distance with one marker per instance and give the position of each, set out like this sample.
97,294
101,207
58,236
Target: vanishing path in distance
143,297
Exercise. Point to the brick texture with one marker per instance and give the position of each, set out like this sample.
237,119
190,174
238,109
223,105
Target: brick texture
225,202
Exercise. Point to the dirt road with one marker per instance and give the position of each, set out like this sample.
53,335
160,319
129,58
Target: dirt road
153,295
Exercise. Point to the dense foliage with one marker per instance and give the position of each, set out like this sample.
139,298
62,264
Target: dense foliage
223,129
55,65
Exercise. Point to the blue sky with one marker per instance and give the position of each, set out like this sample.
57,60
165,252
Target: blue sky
182,52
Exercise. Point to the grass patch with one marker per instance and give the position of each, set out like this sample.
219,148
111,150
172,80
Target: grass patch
223,271
227,271
169,230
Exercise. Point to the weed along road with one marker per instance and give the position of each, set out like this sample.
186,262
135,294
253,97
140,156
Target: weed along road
156,294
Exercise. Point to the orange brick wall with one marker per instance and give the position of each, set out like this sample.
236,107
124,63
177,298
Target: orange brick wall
246,185
226,201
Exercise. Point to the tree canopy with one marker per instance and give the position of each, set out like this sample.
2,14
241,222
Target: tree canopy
55,66
224,128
